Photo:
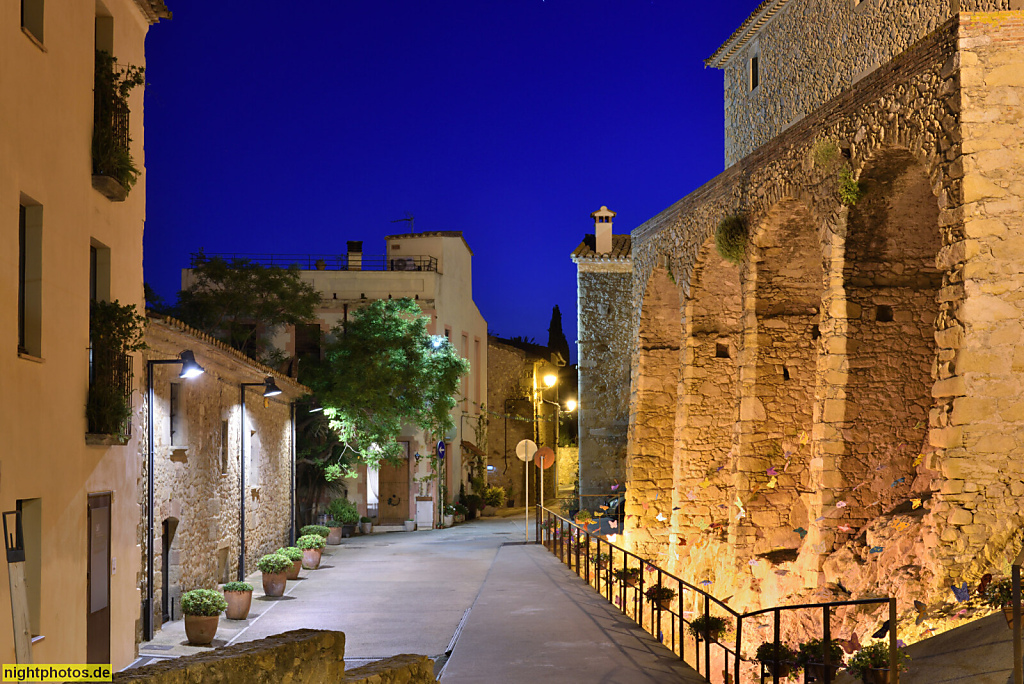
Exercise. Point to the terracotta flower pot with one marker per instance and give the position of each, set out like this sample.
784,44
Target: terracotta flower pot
239,603
367,527
200,629
665,604
632,582
274,583
816,672
334,537
293,574
785,669
311,559
875,677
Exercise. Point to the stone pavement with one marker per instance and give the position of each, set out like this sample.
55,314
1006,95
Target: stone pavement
536,621
411,592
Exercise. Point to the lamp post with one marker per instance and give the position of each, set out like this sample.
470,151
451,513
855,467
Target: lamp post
189,369
270,389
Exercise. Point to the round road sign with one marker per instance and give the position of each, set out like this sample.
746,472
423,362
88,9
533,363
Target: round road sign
440,450
545,458
526,449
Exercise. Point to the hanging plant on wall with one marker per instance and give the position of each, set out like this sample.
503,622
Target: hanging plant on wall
115,331
110,140
731,239
849,188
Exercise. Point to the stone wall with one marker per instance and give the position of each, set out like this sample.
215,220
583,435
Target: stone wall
603,306
301,656
812,50
197,469
872,388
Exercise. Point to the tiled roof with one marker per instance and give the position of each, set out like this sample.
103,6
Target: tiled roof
155,10
758,18
622,248
227,349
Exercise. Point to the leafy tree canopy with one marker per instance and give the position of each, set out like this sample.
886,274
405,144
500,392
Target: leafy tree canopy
241,302
383,370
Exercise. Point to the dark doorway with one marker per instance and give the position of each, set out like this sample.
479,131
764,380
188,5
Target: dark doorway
168,590
393,487
98,580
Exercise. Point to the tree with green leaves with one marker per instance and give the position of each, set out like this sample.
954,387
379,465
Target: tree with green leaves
241,303
382,371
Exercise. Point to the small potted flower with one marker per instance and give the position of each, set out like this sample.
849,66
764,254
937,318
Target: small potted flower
871,663
275,573
366,524
999,595
628,576
461,512
583,518
708,627
202,609
323,530
312,546
601,560
294,554
812,659
661,595
787,658
239,598
410,525
449,515
345,514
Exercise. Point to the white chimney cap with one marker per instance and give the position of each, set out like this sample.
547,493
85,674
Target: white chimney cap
603,212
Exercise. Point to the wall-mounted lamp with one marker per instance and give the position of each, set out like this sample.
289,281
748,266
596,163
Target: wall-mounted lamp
270,389
189,369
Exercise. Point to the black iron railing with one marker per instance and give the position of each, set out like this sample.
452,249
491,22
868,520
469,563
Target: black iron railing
328,262
598,561
108,408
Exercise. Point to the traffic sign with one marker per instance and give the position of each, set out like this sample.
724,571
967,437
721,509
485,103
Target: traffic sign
526,449
440,450
545,458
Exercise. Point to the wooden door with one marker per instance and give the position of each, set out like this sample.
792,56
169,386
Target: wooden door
97,636
393,491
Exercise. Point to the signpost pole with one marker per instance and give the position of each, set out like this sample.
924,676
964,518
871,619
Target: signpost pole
525,451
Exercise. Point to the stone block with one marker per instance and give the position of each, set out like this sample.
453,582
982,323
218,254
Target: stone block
945,438
961,517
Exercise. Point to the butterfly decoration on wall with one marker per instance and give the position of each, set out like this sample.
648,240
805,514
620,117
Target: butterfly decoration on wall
841,504
915,504
882,631
917,460
851,645
661,518
986,579
899,481
705,483
772,472
691,495
801,531
844,528
922,612
876,549
743,511
772,482
962,593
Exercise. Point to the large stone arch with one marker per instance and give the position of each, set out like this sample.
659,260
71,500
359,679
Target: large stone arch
783,291
708,409
649,467
891,287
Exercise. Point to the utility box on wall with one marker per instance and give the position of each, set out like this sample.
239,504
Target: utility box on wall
424,513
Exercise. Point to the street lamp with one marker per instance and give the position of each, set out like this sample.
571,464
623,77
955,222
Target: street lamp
270,389
189,369
570,405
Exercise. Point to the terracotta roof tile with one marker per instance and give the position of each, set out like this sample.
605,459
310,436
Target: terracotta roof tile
622,248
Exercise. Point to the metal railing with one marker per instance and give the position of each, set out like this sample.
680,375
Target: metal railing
110,384
327,262
595,559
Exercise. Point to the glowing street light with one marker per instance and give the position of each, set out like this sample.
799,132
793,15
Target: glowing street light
570,405
550,379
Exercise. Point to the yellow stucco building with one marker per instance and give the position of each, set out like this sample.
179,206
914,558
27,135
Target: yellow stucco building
69,233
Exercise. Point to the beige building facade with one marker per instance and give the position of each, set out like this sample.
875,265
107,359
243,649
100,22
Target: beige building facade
198,459
65,242
835,413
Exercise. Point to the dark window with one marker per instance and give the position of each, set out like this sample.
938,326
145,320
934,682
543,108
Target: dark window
32,18
721,350
175,410
307,340
883,313
21,279
755,72
92,273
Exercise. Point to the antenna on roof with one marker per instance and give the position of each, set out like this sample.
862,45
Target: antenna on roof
410,219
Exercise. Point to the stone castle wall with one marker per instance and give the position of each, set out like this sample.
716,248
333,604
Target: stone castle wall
197,473
848,396
604,301
814,49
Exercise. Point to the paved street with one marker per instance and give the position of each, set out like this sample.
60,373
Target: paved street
412,592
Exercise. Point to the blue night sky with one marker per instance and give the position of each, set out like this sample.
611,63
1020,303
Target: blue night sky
292,127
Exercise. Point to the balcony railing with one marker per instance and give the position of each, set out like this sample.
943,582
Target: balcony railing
327,262
595,560
108,409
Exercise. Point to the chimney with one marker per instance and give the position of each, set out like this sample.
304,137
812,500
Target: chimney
355,255
603,230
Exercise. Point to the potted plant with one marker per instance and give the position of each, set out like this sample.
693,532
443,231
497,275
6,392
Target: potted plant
708,627
871,663
449,515
344,512
367,524
510,497
494,497
584,518
461,512
239,598
787,658
628,576
294,554
812,659
410,525
601,560
322,530
999,595
661,595
202,609
274,567
312,546
474,504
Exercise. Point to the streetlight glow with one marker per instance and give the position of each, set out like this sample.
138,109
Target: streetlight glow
550,379
570,405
